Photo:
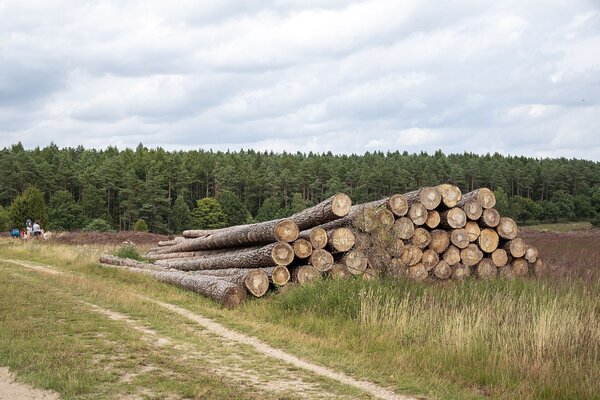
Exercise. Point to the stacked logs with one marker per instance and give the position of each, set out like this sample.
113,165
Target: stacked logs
430,234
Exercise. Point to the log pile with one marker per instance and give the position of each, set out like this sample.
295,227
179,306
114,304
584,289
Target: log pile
431,234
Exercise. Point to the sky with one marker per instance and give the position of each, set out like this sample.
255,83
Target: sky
515,77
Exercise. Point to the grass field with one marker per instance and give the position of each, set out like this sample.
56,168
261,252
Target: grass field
534,339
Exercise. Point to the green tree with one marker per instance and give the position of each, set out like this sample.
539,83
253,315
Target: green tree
64,213
565,204
29,205
98,225
502,202
208,214
270,209
584,209
551,211
180,215
140,226
234,209
5,224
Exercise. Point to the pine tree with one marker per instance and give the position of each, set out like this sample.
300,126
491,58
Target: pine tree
64,213
234,209
29,205
180,215
208,214
270,209
5,224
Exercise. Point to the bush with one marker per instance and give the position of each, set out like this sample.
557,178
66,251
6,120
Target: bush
140,226
98,225
596,221
128,250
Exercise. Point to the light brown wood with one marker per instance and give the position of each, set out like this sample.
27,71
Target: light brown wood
442,270
397,269
531,254
486,269
385,218
417,214
317,237
429,197
255,280
440,240
302,248
172,242
484,196
471,255
356,261
378,258
459,238
430,259
488,240
417,272
411,255
453,218
520,267
321,259
195,233
472,227
490,218
421,238
516,247
433,219
362,216
460,272
403,228
396,247
452,255
341,239
451,194
398,205
507,228
472,209
539,268
499,257
339,271
506,272
370,274
304,274
280,276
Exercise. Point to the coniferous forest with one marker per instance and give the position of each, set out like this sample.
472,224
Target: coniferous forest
165,191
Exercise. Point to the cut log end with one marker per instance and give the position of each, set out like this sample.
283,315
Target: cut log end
403,228
341,204
486,269
421,238
341,239
305,274
451,194
473,209
233,297
442,270
418,214
318,238
507,228
474,230
417,272
282,254
454,218
280,276
459,238
339,271
490,218
471,255
531,254
302,248
286,231
385,218
411,255
430,259
520,267
486,198
440,240
257,282
517,247
398,205
433,219
396,247
500,258
322,260
488,240
452,255
430,198
356,261
460,272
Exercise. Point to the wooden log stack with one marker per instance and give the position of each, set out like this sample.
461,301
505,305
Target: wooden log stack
431,234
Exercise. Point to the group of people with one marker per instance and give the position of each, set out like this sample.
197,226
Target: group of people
33,229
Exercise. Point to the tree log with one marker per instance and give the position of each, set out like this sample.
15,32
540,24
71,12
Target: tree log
471,255
196,233
433,219
453,218
488,240
499,258
385,218
396,247
421,238
506,272
356,261
363,217
520,267
339,271
490,218
200,253
440,240
280,276
484,196
507,228
418,213
473,210
417,272
539,267
341,239
302,248
459,238
378,258
398,205
460,272
163,243
317,237
403,228
305,274
531,254
451,194
256,280
486,269
411,255
370,274
516,247
452,255
429,197
321,259
128,262
397,269
430,259
442,270
267,256
472,227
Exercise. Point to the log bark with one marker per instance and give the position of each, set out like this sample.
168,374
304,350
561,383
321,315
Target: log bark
200,253
305,274
417,214
302,248
453,218
474,231
256,281
396,247
507,228
490,218
471,255
430,259
417,272
403,228
516,247
500,258
459,238
267,256
322,260
429,197
440,240
472,209
196,233
460,272
520,267
333,208
433,219
317,237
486,269
442,270
452,255
128,262
484,196
356,261
362,216
451,194
163,243
339,271
488,240
421,238
411,255
531,254
341,239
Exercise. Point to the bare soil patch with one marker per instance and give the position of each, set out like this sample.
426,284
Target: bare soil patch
13,390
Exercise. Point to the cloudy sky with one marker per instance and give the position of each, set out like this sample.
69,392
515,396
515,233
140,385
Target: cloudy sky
517,77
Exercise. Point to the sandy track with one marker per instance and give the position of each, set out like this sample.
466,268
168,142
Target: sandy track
13,390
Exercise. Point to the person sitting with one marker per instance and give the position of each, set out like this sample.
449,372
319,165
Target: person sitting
15,233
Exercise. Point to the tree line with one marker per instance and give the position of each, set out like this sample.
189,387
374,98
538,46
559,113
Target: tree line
167,191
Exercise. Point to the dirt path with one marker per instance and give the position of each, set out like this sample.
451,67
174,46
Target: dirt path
237,338
12,390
